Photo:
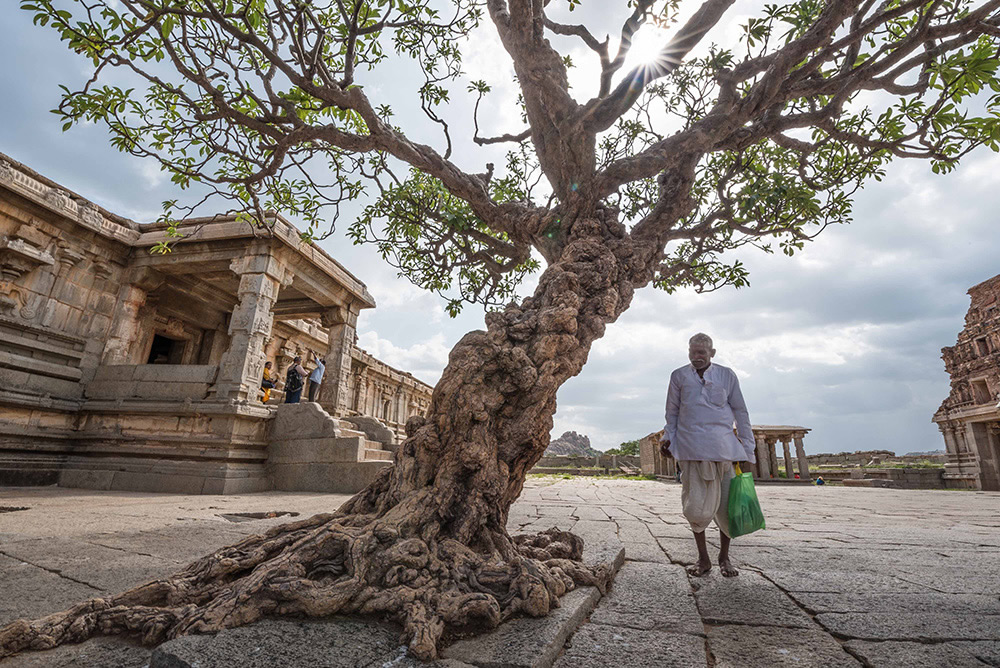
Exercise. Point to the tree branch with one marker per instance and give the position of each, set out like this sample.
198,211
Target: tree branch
601,113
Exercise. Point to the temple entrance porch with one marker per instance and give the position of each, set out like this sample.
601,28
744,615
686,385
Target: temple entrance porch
132,370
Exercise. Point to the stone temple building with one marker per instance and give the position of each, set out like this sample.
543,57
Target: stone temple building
969,418
125,369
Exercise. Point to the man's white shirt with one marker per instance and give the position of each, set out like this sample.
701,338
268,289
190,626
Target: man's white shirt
700,416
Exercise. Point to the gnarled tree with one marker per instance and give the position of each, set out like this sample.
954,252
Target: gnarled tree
654,179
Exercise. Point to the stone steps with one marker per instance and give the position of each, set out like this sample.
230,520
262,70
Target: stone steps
311,451
377,454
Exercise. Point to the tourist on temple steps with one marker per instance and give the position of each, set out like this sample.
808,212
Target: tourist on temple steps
316,379
294,381
703,402
266,383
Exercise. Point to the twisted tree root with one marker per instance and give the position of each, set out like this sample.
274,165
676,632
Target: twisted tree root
330,564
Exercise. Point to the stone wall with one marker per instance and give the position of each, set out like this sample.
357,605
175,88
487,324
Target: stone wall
901,478
61,263
864,457
600,461
171,382
378,390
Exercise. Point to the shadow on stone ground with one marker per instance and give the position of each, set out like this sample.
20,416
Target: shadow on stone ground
841,577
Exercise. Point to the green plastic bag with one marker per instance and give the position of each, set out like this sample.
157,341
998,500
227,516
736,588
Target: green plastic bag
745,515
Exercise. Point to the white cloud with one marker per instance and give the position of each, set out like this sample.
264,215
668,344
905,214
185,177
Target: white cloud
424,359
152,173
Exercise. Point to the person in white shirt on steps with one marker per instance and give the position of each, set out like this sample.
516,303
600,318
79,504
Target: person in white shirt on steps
703,402
316,379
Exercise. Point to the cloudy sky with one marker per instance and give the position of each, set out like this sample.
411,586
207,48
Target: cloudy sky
844,338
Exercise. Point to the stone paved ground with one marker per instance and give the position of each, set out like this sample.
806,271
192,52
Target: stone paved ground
841,577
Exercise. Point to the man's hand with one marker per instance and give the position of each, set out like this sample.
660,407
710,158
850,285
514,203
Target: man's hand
665,449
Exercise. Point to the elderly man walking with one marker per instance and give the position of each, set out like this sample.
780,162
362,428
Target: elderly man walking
703,402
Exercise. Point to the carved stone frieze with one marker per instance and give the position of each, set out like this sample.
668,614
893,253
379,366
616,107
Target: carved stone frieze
974,361
91,214
102,269
10,299
68,256
175,328
18,257
7,172
337,315
16,302
59,198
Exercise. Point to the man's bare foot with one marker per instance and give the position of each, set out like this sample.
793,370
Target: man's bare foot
699,569
728,570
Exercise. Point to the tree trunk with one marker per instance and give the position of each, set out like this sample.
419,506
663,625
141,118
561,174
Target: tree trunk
426,543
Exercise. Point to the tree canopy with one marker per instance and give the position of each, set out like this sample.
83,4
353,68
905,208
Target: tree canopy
266,103
626,448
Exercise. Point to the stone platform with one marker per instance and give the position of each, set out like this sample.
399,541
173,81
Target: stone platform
841,577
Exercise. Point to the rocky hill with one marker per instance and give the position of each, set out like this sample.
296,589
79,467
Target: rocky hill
570,443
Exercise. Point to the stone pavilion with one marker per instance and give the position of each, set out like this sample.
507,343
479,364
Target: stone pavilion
767,438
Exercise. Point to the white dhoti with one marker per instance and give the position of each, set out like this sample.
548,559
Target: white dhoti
705,494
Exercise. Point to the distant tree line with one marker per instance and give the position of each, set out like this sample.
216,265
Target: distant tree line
626,448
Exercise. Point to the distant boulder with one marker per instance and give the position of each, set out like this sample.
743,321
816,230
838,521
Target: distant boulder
571,443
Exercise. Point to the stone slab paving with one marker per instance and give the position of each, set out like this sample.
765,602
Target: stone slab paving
916,655
528,642
650,597
750,599
768,646
841,577
599,646
95,653
329,643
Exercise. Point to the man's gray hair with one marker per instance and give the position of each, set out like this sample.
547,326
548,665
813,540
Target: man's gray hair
701,339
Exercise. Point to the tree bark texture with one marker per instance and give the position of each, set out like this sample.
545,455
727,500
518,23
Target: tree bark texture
426,544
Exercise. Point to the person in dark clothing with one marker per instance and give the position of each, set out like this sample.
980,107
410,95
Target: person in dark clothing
293,381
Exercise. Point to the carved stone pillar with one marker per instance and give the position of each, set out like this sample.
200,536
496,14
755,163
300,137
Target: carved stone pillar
971,440
261,276
947,433
360,391
125,334
763,458
772,456
282,358
789,469
334,394
800,454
